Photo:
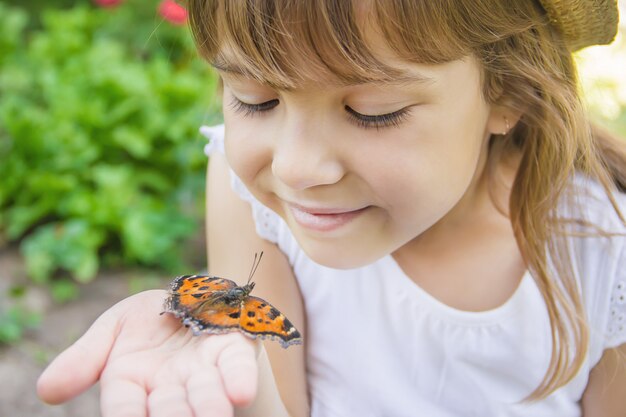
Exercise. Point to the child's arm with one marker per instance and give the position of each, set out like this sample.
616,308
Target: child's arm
605,395
232,239
148,364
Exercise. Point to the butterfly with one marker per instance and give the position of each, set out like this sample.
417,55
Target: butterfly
216,305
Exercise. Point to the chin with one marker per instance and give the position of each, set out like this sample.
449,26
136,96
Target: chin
339,257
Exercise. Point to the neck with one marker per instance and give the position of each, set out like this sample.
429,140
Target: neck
472,248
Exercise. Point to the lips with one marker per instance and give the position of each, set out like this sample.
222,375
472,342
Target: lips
323,219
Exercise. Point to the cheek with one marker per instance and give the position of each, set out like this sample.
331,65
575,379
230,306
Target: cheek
245,148
422,178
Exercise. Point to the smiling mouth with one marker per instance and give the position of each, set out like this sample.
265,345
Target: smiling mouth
323,220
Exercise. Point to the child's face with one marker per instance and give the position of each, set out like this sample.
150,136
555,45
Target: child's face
359,171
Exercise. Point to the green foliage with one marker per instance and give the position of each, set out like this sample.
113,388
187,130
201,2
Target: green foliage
15,318
14,322
100,158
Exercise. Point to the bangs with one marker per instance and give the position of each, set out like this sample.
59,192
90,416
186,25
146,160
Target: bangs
284,43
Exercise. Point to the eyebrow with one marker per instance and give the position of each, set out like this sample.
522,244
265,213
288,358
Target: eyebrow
403,78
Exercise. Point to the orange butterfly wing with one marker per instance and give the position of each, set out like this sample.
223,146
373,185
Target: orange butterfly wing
208,305
194,288
197,300
261,319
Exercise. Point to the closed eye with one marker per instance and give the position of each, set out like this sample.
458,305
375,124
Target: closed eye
248,109
378,121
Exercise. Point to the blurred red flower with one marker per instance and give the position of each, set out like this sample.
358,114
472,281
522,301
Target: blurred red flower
108,3
173,12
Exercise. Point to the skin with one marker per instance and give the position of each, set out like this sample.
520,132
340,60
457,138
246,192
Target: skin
422,186
146,366
307,152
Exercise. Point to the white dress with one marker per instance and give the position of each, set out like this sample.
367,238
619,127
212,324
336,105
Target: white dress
379,345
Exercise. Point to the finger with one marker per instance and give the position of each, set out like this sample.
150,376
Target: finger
169,400
79,366
239,370
206,394
122,398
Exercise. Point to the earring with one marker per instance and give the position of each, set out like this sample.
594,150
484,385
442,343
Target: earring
507,126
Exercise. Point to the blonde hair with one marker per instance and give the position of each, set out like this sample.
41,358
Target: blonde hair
526,66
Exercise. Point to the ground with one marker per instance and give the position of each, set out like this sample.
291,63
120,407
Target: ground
21,364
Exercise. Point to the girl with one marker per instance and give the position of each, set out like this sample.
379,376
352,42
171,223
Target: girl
438,219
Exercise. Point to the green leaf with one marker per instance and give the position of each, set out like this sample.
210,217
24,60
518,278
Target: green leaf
150,235
14,321
40,262
10,331
134,142
12,24
64,290
72,246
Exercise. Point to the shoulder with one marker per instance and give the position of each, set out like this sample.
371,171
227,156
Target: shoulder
594,205
597,240
596,228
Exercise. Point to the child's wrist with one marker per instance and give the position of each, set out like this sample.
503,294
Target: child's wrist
267,401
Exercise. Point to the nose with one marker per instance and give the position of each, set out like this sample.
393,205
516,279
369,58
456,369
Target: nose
305,157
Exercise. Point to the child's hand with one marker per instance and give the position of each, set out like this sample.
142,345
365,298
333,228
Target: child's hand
148,364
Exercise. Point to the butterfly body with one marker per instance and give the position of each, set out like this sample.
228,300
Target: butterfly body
215,305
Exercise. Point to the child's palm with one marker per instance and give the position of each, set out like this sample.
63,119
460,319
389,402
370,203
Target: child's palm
149,365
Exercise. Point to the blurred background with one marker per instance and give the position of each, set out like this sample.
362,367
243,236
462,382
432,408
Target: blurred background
102,169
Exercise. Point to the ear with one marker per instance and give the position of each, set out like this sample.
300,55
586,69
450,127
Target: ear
502,120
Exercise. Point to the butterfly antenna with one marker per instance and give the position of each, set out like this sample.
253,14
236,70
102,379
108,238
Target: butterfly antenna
255,265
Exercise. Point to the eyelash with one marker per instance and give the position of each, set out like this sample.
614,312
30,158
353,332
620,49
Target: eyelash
378,121
252,109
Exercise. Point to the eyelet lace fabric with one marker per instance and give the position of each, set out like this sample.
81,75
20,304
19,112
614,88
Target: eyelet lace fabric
265,219
616,331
